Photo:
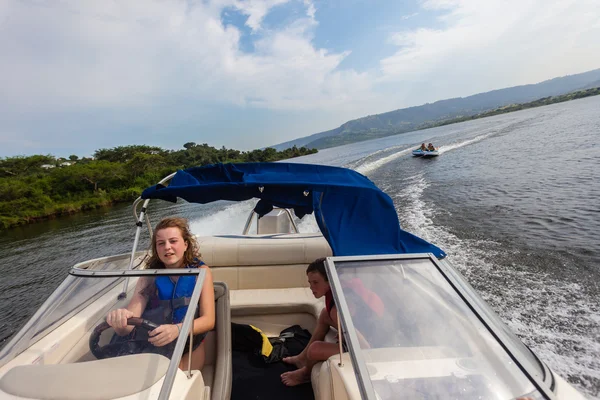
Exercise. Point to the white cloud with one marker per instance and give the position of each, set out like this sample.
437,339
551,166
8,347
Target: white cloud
310,9
496,43
256,10
409,16
113,54
148,63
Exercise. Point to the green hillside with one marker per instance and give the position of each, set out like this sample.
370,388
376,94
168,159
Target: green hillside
358,132
40,187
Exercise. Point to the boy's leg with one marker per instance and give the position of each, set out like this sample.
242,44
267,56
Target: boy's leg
317,351
321,330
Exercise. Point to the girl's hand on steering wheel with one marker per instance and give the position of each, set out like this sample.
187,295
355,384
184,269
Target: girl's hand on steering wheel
163,335
118,318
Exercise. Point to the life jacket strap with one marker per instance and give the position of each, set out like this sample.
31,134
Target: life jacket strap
177,302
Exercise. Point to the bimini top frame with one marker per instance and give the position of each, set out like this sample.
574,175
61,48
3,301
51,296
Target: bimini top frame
353,214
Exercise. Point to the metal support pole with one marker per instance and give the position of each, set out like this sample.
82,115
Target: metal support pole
138,231
339,326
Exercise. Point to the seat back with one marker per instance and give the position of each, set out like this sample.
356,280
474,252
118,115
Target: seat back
218,346
262,261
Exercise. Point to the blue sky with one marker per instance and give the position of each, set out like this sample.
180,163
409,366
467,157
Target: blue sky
77,76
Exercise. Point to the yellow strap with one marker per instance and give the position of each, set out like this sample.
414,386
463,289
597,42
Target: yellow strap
267,347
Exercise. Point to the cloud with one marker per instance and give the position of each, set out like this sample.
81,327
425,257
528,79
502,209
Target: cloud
493,44
72,55
310,9
257,10
409,16
153,66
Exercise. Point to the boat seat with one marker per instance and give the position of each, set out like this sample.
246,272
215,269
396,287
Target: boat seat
87,380
266,301
216,372
262,261
258,250
330,381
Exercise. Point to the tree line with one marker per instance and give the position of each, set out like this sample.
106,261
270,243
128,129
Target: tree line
39,187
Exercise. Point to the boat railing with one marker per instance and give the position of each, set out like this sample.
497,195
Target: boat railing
139,223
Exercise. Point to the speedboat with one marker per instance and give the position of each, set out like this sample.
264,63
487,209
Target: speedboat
425,154
425,333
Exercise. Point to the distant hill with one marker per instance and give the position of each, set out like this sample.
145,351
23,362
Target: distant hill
418,117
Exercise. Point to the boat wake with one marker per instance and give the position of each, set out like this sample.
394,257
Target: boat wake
373,161
446,148
231,219
538,308
223,220
365,167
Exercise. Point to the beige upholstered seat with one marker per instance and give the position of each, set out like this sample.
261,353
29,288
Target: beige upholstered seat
330,380
260,250
266,275
94,380
217,369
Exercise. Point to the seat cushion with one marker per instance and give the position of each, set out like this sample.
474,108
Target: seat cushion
87,380
278,249
332,381
256,301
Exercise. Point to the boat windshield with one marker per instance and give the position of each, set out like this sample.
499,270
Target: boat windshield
71,328
412,335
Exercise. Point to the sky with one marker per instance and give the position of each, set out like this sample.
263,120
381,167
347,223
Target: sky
77,75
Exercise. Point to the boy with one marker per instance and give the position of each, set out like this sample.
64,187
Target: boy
316,350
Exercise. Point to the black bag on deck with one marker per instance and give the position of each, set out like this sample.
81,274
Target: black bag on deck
290,342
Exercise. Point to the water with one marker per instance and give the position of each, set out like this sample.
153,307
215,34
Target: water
514,200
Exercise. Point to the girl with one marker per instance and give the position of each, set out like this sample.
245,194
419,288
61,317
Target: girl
173,246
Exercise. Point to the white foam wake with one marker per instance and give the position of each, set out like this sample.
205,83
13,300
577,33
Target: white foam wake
514,293
445,148
371,166
308,224
229,220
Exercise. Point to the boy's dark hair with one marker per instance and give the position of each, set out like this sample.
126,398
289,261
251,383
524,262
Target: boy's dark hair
318,266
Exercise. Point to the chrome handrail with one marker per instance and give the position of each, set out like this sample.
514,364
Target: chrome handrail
138,230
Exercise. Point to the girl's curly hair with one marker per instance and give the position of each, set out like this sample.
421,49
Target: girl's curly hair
192,254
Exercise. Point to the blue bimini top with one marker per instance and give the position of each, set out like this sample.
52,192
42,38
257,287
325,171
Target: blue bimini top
354,215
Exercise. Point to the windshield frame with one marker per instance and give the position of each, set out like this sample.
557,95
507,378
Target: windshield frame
187,325
22,339
479,310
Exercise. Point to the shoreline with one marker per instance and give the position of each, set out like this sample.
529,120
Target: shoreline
357,137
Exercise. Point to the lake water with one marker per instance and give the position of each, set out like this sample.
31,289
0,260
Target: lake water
513,199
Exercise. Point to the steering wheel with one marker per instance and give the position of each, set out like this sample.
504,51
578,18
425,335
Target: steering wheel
121,345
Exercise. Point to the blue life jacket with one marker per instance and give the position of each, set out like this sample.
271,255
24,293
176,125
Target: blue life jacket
175,296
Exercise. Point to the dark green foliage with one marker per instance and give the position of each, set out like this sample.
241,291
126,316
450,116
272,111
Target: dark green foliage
30,192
